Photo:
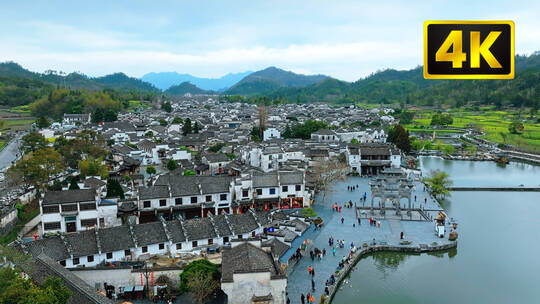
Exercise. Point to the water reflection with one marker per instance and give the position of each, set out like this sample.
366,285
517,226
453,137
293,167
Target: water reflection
388,260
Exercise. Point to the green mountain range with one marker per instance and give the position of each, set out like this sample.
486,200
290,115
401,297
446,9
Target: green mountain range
19,86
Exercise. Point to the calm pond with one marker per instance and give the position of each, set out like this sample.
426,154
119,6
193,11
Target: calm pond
497,257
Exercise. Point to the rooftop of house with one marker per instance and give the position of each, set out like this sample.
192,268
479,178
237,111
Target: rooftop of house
69,196
247,258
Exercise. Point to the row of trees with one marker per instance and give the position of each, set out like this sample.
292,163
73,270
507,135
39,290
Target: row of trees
41,163
61,101
303,130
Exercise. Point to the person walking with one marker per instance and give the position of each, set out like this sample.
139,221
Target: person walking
334,251
312,272
302,299
342,220
312,285
309,269
359,221
311,299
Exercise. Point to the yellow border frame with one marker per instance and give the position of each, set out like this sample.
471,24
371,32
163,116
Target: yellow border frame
469,76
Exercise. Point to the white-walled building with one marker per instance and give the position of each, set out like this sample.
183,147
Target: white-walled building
271,133
251,274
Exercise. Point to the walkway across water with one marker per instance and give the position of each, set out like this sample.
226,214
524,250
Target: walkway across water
418,233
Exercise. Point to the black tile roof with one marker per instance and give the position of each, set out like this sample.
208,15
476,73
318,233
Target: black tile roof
52,246
189,185
83,243
221,225
115,239
149,233
69,196
242,223
153,192
199,229
176,231
265,180
246,258
291,178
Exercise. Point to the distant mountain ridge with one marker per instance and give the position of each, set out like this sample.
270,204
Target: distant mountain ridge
272,79
165,80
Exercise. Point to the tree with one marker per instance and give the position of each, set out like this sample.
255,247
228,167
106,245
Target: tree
114,189
151,170
439,182
167,107
177,120
406,117
162,122
33,141
171,164
255,134
186,128
400,137
93,167
189,173
448,149
326,172
16,289
110,115
515,127
73,184
262,115
288,132
354,141
196,128
192,270
42,122
217,147
36,168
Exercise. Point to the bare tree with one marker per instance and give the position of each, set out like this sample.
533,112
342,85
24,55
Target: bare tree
202,285
263,118
326,172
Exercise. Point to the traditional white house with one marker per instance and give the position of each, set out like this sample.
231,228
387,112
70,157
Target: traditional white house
251,274
271,133
138,242
372,158
325,135
71,119
75,210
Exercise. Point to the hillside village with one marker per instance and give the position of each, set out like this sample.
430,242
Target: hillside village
211,187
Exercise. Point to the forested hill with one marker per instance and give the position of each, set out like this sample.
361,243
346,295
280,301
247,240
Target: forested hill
271,79
184,88
409,86
117,81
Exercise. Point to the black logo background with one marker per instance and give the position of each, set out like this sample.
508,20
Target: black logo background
501,48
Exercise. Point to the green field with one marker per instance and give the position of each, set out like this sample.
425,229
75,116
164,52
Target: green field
133,104
493,123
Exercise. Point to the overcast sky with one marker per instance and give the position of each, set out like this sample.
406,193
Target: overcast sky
344,39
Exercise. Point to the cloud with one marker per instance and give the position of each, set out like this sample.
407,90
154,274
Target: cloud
307,57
